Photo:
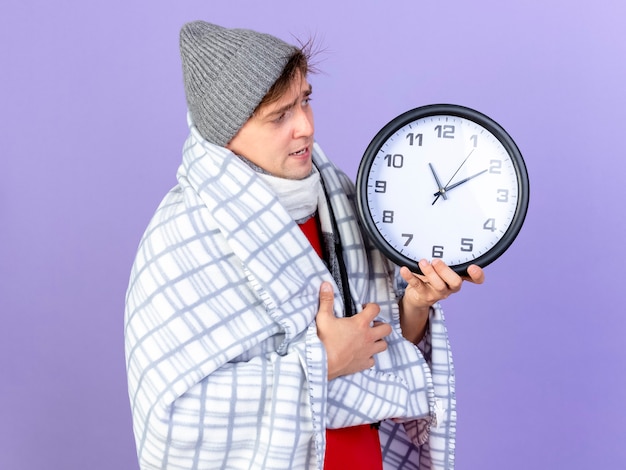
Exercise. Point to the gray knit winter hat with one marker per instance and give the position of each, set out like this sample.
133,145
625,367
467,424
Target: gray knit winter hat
227,72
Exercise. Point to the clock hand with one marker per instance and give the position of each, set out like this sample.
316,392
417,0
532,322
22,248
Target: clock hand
452,177
458,183
441,191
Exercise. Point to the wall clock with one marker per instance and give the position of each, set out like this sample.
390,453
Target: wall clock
442,181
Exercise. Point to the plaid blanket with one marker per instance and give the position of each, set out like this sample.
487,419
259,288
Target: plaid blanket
225,368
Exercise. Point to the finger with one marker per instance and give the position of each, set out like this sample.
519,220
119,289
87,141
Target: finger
414,279
380,330
379,346
377,329
327,299
369,313
448,275
476,274
438,274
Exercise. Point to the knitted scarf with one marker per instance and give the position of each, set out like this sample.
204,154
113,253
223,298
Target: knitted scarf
300,198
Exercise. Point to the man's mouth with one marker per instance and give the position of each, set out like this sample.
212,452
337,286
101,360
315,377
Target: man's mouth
299,152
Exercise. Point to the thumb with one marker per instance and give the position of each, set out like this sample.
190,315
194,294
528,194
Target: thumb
327,299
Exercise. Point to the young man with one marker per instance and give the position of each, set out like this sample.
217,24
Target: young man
262,329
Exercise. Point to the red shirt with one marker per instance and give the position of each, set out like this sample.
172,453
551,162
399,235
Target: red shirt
356,446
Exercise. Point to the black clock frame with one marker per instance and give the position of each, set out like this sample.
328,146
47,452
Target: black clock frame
448,110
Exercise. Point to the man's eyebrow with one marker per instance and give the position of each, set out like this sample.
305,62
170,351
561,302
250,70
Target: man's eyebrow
289,106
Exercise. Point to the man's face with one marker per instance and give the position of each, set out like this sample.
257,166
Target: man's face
279,136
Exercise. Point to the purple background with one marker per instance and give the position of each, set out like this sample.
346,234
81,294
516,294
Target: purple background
92,121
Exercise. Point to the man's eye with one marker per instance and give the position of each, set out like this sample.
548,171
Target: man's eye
280,118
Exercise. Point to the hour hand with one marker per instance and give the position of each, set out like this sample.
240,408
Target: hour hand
442,190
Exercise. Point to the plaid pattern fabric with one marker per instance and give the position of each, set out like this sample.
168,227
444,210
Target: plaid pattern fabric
225,368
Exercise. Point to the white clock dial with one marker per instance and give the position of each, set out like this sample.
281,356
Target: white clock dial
442,186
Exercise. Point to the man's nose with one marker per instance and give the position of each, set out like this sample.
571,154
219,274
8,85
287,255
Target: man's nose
304,125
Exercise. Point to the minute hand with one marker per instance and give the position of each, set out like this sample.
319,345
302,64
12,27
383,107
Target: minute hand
458,183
